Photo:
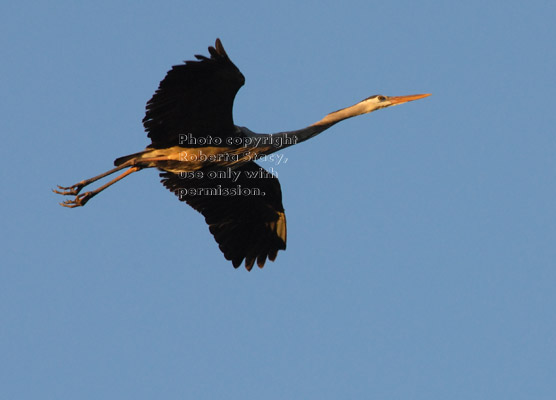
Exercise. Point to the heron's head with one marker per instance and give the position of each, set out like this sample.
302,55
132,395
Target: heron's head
368,105
379,101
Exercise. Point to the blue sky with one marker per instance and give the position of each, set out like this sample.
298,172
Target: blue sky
420,260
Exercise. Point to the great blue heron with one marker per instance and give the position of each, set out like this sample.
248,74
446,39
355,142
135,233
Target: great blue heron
209,162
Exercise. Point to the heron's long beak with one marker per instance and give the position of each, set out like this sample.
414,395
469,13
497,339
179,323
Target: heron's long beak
395,100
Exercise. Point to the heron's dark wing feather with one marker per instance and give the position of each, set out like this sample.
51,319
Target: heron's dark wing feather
249,224
194,98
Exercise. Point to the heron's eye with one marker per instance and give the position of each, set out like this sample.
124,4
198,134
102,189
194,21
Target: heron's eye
381,98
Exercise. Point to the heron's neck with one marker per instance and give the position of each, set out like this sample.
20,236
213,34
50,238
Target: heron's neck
344,113
286,139
273,142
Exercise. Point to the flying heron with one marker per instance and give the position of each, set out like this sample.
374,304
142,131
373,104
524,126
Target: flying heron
209,162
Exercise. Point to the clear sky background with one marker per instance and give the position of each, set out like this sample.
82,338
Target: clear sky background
421,238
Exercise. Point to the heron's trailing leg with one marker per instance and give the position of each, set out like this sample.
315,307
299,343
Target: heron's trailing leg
75,189
82,199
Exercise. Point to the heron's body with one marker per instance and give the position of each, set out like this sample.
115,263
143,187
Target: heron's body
177,159
209,162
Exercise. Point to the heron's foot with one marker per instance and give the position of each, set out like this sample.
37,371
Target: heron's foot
79,201
72,190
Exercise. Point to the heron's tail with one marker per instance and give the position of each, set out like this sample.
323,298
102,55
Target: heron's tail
119,161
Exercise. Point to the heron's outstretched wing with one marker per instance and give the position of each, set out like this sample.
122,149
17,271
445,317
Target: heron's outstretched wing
244,213
194,98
